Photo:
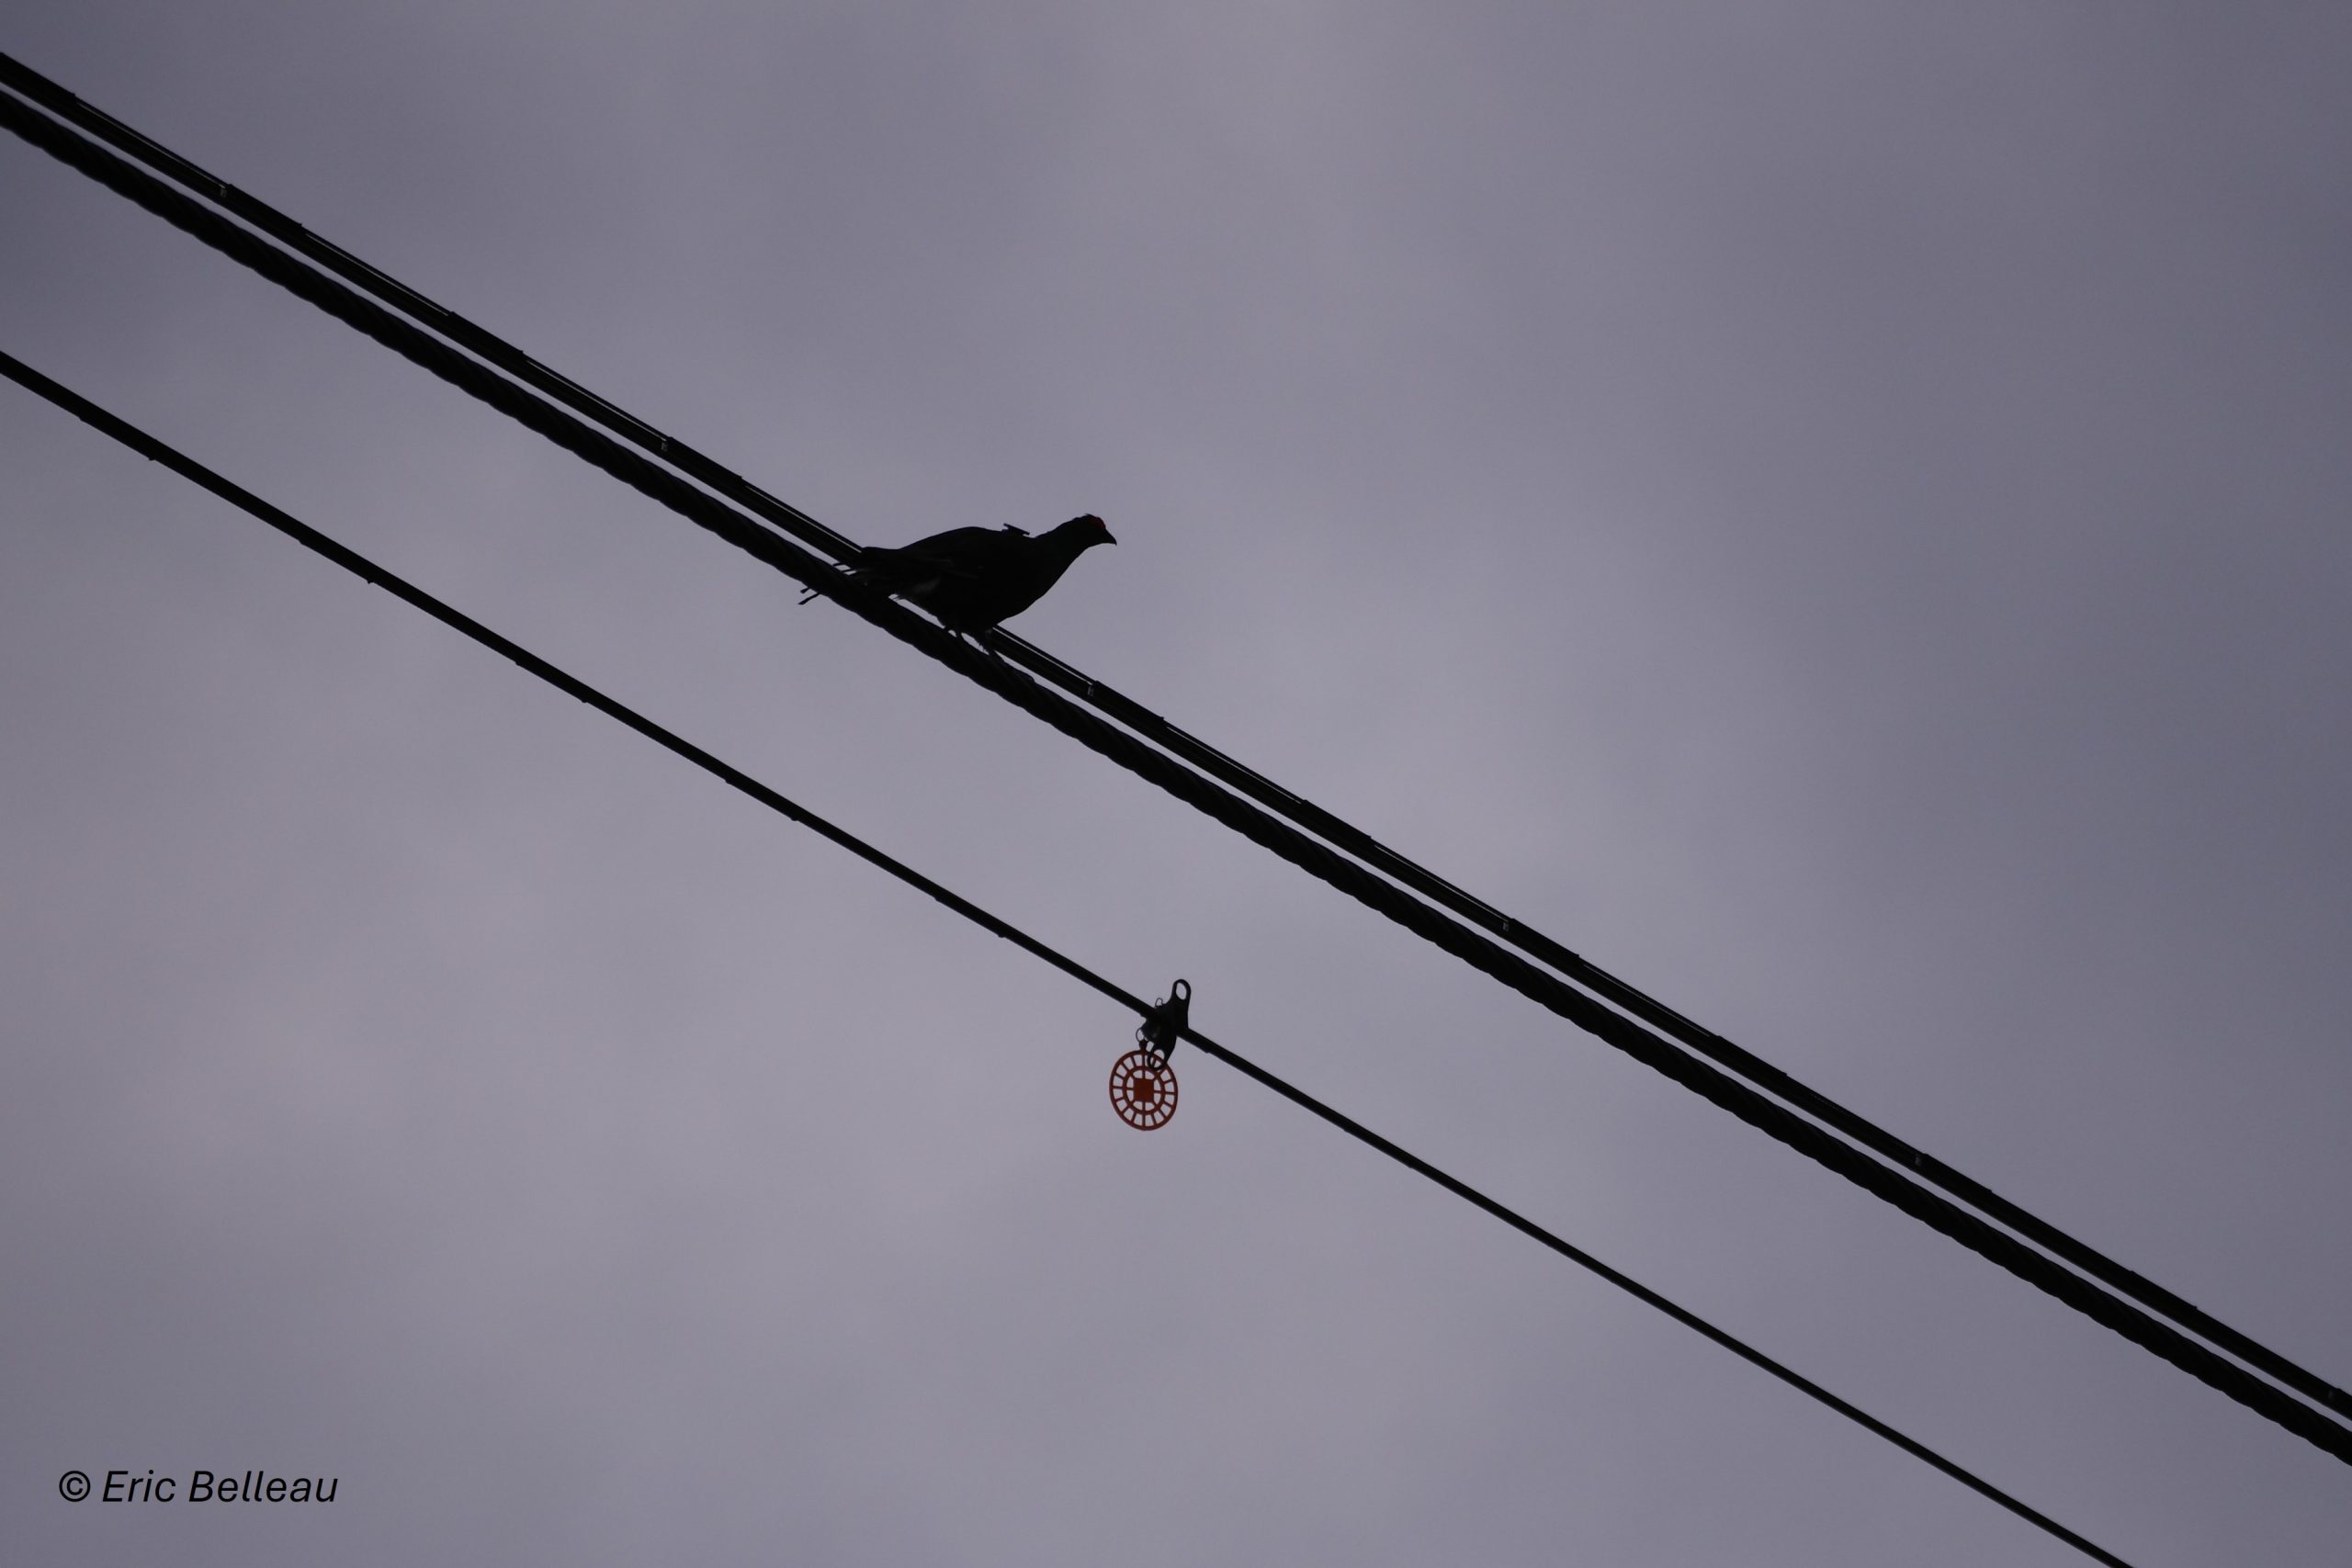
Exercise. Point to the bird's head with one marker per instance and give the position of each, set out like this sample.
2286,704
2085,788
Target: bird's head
1086,531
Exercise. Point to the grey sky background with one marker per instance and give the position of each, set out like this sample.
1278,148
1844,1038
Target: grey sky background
1836,512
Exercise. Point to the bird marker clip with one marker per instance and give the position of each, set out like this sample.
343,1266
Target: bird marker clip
1142,1086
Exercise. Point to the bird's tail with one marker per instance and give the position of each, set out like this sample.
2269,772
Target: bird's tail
863,576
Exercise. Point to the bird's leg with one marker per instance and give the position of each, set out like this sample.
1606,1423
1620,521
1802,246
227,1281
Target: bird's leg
975,640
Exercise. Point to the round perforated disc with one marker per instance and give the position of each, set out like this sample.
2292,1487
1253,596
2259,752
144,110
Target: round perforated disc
1143,1089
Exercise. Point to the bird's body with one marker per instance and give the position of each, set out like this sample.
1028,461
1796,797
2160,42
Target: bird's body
971,578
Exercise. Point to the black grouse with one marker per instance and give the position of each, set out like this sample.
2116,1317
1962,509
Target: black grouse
973,578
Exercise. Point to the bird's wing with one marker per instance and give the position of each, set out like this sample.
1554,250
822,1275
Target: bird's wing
960,553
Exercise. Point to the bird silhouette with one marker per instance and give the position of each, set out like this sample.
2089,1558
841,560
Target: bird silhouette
971,578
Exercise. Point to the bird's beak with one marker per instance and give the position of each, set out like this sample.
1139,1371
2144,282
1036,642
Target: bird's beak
1108,537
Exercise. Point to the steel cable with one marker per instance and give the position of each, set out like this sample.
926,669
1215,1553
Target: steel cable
652,478
1188,748
360,566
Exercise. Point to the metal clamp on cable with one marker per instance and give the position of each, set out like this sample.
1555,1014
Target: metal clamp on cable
1167,1020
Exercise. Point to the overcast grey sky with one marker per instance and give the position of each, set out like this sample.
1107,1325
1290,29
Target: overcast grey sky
1836,512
